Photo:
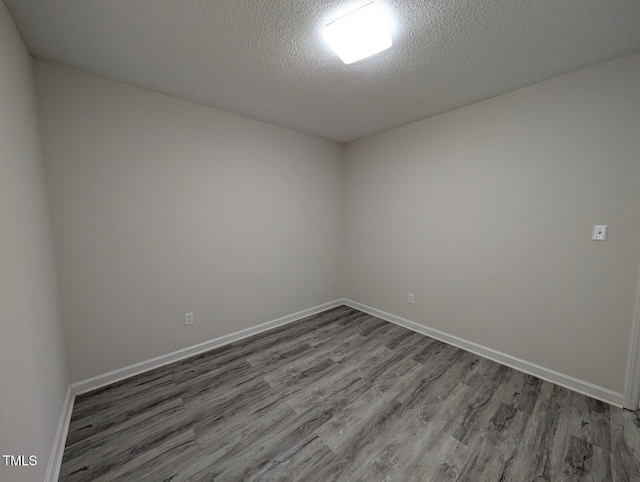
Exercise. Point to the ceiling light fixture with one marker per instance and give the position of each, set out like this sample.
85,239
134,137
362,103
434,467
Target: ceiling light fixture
358,34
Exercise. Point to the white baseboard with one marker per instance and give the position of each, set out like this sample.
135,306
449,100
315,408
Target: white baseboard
55,459
90,384
567,381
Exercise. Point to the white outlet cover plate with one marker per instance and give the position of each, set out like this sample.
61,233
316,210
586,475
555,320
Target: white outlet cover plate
599,232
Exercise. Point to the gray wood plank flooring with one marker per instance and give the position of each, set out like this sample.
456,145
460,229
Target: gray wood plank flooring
345,396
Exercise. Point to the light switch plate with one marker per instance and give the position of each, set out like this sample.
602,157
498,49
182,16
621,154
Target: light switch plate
599,232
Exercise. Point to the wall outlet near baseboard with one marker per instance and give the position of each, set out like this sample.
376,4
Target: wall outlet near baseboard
411,298
599,232
188,319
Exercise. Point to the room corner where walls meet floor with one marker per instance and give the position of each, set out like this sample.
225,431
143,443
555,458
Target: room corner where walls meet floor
85,386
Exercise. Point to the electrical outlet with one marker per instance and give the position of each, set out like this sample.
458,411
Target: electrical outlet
188,319
411,298
599,232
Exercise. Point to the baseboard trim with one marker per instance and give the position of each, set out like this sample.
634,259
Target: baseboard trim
83,386
567,381
55,459
99,381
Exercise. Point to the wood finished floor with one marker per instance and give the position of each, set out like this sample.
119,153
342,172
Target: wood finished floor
345,396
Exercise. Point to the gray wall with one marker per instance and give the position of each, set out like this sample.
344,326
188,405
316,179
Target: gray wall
485,213
33,372
163,207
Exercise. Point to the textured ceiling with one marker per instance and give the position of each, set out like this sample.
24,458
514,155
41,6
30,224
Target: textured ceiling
266,59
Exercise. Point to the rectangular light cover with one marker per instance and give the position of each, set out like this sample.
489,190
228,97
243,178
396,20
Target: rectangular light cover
358,34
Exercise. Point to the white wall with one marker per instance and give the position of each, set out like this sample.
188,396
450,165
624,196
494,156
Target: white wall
163,207
33,372
485,213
